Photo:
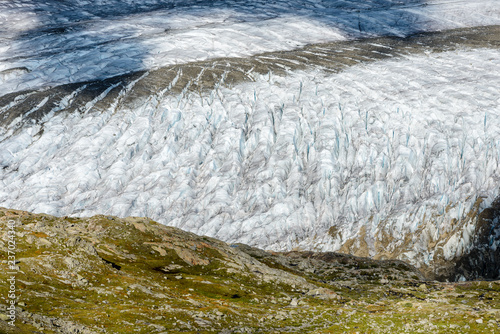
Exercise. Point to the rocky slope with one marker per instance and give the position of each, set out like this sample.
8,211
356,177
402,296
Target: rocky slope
109,275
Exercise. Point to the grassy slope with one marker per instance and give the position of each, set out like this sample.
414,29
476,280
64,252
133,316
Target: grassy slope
135,276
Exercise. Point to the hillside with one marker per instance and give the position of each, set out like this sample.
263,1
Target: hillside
131,275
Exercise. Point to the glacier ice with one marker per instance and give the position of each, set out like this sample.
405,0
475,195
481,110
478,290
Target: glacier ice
390,156
49,43
381,149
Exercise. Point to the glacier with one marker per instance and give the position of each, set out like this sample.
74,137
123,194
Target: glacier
386,157
48,43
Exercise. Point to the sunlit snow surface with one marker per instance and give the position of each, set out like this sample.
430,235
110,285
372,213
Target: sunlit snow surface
54,42
394,146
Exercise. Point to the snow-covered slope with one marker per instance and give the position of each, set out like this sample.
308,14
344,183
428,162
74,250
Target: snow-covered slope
54,42
388,158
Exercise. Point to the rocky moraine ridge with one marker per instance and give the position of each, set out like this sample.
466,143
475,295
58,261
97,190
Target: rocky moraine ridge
131,275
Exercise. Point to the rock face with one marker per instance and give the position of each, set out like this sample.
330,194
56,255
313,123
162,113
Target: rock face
483,257
103,274
464,249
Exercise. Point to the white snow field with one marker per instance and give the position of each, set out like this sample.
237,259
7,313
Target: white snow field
46,43
387,157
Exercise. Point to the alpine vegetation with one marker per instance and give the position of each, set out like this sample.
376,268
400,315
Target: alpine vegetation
268,135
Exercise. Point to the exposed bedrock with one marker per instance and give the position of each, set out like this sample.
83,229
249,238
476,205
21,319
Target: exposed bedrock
483,259
464,249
